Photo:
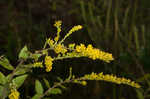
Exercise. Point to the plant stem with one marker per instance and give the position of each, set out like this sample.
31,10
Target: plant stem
56,85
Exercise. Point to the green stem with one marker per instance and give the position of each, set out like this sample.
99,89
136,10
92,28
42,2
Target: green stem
56,85
64,57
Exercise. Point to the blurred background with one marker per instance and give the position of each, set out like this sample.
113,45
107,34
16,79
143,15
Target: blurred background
120,27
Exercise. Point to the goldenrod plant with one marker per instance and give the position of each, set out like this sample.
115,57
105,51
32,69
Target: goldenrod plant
9,84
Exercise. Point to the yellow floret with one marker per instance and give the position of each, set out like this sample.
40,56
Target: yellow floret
50,42
58,26
71,46
59,48
75,28
38,64
80,48
56,38
58,23
84,83
48,63
14,94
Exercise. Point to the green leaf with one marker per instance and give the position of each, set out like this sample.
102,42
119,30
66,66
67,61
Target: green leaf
1,90
8,77
22,71
36,96
38,87
55,91
62,86
46,83
3,79
5,63
139,94
24,53
19,80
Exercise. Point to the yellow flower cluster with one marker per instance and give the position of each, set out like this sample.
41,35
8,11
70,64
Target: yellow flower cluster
59,48
38,64
48,63
58,26
58,23
14,94
93,53
110,78
75,28
50,42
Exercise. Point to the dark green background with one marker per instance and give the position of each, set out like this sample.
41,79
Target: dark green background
121,27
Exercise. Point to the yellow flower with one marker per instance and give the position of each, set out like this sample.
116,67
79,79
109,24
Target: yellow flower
93,53
59,48
14,94
58,26
80,48
38,64
50,42
75,28
84,83
58,23
56,38
93,75
110,78
71,46
48,63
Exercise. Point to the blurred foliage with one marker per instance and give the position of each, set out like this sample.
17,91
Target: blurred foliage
121,27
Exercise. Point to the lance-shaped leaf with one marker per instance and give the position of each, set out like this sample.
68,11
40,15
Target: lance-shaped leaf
5,63
19,80
3,79
55,91
22,71
46,82
38,87
139,94
36,96
24,53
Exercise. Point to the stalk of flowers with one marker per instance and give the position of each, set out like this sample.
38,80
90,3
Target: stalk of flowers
80,50
93,53
75,28
58,26
83,51
93,76
110,78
